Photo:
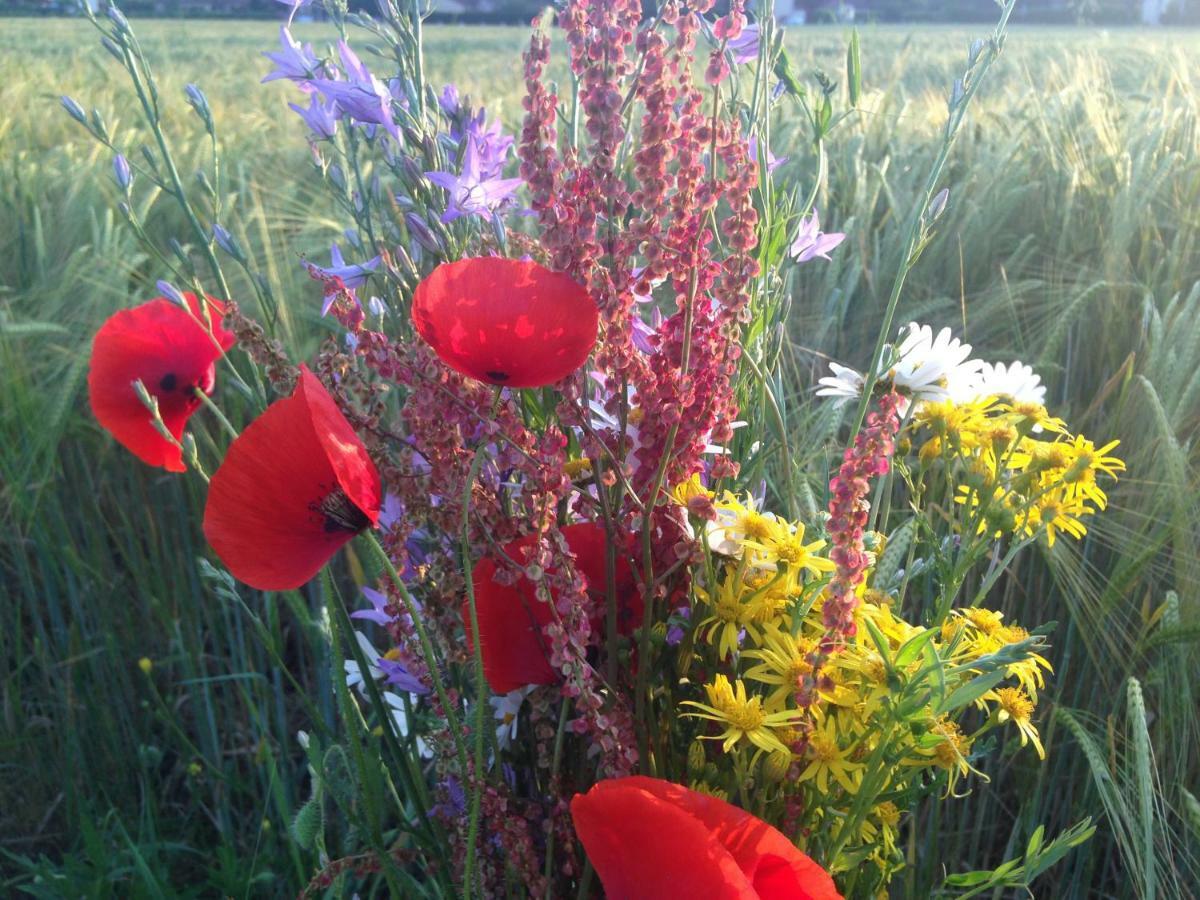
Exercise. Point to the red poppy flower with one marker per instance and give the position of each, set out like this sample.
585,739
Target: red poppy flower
506,321
649,838
511,617
293,488
171,353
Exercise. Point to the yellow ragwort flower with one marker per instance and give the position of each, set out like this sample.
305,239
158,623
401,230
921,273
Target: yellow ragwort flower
743,717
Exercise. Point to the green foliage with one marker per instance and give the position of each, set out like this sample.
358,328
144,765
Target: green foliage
1070,241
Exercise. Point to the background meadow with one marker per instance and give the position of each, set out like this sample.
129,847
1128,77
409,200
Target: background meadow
147,722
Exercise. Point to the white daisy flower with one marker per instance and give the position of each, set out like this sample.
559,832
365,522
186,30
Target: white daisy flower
930,367
1016,381
506,709
844,384
400,721
354,675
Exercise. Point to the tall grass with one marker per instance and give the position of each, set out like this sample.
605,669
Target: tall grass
1070,242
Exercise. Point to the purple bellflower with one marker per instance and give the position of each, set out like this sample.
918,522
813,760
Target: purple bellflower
744,47
363,97
321,115
811,242
295,62
475,192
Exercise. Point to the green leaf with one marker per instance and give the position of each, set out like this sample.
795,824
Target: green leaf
913,647
854,69
787,75
972,690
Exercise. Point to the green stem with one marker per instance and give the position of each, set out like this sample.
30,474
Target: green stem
216,411
915,230
480,683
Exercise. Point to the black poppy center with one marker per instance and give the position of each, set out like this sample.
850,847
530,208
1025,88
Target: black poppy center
499,377
169,382
339,513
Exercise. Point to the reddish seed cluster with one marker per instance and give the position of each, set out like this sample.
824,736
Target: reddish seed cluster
869,458
688,157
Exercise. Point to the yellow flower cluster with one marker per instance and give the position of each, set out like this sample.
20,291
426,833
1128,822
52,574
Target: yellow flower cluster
1024,473
883,726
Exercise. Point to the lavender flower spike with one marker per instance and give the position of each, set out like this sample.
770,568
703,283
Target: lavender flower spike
295,62
811,242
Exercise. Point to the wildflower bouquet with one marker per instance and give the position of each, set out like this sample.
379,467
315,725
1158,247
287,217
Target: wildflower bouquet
543,434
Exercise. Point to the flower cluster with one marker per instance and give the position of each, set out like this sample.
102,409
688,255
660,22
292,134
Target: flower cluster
839,765
532,437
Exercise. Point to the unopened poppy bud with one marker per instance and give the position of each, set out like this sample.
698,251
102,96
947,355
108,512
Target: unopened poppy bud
696,758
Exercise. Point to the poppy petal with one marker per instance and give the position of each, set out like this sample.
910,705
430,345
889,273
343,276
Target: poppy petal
171,353
511,617
293,488
506,321
650,838
646,846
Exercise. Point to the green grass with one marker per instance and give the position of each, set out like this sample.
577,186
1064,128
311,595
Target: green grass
1071,242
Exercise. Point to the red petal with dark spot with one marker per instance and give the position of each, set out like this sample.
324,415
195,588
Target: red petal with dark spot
294,487
506,321
648,838
511,617
171,353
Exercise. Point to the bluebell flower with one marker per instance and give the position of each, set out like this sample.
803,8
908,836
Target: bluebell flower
491,143
122,172
295,5
295,62
381,667
773,161
225,241
448,101
352,275
73,109
455,805
378,612
744,47
391,511
474,192
172,293
320,116
811,242
363,96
